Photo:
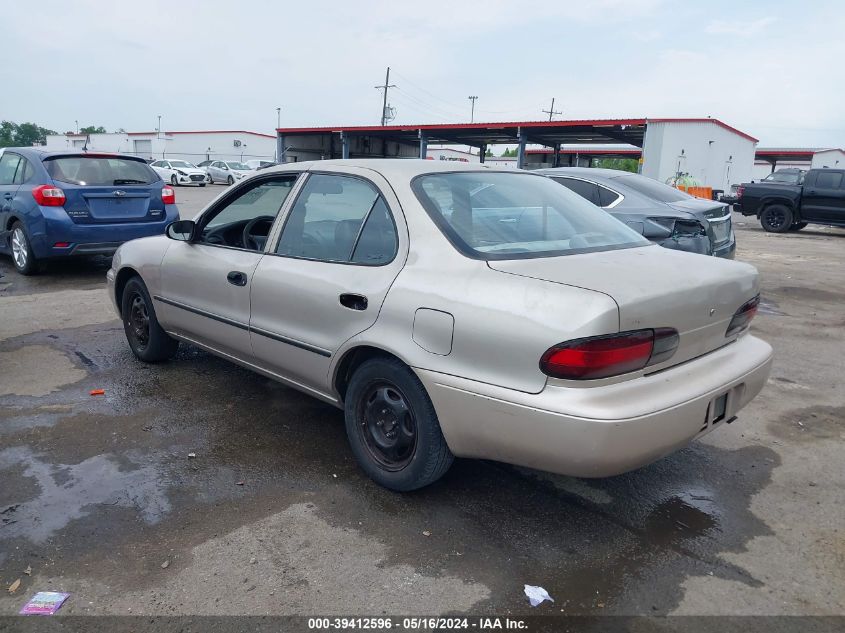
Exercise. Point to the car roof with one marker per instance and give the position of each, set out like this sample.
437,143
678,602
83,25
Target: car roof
401,168
586,172
41,153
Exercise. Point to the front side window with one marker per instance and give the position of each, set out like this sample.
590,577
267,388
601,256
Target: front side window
245,221
489,215
100,170
339,219
9,164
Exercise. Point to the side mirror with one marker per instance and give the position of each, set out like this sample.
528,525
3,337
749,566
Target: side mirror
181,230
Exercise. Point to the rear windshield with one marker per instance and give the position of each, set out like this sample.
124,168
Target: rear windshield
652,188
100,170
489,215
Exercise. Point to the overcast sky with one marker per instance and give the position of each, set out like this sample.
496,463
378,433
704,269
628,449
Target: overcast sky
772,69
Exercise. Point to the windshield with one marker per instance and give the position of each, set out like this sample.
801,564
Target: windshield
100,170
238,166
490,215
652,188
784,176
182,163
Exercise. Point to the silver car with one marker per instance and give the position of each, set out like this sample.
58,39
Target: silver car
227,171
453,310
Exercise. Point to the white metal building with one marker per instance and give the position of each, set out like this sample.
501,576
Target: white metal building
191,146
713,153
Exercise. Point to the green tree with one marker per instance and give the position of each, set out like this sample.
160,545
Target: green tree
92,129
623,164
489,152
22,134
509,153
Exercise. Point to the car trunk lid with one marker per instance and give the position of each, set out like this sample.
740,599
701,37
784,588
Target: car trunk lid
716,214
655,287
113,204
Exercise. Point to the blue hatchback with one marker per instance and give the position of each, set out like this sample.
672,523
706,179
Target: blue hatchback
60,204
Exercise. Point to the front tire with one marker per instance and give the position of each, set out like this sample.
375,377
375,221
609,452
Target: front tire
22,255
174,180
146,338
231,181
776,218
393,428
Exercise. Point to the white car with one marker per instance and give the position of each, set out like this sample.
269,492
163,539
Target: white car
180,172
228,171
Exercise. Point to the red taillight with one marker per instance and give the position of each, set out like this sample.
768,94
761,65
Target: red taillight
609,355
49,196
168,196
742,317
61,244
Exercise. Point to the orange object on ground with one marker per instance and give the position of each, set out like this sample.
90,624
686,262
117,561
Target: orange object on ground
97,392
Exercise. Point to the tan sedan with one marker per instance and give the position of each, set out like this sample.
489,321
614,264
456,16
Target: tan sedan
453,310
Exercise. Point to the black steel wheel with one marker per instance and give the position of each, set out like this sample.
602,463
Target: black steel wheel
392,426
776,218
146,338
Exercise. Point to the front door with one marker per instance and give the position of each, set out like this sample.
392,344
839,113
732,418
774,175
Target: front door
823,199
206,283
326,278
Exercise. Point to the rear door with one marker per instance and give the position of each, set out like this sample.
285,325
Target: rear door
823,197
104,189
11,168
342,245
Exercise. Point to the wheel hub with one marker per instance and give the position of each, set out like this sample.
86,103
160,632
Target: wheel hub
388,426
19,251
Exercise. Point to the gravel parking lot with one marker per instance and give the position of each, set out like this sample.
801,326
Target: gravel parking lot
100,498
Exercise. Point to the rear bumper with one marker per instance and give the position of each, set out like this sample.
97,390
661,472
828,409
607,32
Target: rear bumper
603,430
92,239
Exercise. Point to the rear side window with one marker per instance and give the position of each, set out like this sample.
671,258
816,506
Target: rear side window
652,188
100,170
607,197
339,219
828,180
586,190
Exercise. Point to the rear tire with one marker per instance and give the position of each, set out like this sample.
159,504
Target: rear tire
776,218
797,226
146,338
21,249
393,428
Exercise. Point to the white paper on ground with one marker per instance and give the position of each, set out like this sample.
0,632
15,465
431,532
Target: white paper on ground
536,595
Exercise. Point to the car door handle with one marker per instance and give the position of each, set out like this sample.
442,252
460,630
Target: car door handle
353,301
236,278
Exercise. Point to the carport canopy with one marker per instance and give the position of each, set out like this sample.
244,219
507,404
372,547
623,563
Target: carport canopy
407,141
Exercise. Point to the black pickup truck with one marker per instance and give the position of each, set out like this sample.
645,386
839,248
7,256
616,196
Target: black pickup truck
819,199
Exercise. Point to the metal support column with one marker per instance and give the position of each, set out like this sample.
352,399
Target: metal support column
423,144
520,152
280,148
344,143
556,159
482,152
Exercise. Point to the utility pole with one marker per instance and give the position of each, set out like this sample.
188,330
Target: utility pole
387,85
472,112
77,126
158,130
551,111
278,117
